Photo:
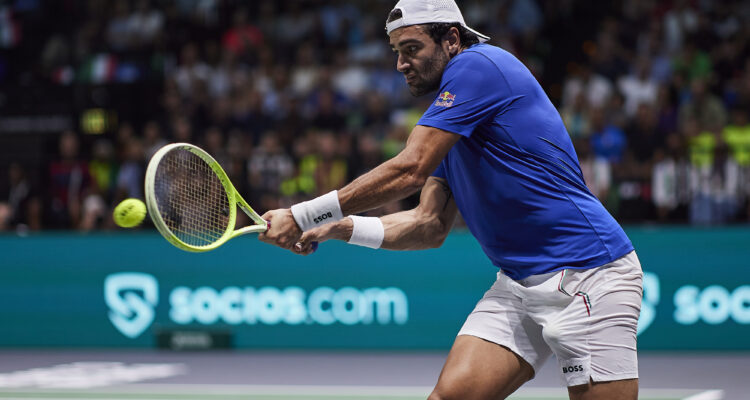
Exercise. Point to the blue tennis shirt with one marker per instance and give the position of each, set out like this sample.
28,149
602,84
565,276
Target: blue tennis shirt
514,174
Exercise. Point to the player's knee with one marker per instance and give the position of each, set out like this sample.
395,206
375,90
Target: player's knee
455,390
443,395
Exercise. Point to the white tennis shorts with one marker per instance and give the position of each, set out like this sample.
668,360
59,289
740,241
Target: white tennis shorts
587,318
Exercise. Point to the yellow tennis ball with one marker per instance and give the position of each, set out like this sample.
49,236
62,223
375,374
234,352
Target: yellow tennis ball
129,213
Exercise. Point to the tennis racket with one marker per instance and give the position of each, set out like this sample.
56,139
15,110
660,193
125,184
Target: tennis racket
192,201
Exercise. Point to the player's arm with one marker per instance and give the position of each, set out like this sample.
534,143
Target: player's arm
400,176
392,180
423,227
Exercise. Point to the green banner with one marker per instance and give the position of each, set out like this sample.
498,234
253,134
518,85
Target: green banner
136,290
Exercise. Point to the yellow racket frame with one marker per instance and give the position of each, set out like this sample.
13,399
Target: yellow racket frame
233,197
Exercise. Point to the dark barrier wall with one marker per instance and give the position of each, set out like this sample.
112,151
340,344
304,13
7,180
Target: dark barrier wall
135,290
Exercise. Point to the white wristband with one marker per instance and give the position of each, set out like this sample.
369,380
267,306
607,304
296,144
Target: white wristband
367,231
318,211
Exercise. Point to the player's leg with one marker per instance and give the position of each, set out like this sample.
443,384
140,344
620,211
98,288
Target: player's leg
478,369
497,350
594,337
626,389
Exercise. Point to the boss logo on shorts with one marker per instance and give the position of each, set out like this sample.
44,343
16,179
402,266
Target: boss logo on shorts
322,217
572,368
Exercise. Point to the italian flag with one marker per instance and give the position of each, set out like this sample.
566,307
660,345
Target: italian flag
99,68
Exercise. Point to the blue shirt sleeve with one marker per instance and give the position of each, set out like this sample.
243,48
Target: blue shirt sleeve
440,171
471,92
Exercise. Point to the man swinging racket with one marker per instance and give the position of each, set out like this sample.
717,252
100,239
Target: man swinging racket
493,146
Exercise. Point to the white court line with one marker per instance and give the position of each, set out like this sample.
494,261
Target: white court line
707,395
311,390
214,390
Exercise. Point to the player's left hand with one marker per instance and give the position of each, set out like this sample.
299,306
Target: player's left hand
308,243
283,230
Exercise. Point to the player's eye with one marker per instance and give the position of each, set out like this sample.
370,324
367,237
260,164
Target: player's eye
411,49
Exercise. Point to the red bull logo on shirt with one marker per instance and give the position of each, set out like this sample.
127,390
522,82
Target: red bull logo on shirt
445,99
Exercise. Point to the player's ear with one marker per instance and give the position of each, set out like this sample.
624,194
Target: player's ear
452,41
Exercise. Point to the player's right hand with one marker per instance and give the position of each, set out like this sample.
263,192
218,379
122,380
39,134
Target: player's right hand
282,231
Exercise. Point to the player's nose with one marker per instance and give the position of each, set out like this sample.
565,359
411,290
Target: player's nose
401,64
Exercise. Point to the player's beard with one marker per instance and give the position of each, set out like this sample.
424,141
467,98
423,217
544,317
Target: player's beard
428,79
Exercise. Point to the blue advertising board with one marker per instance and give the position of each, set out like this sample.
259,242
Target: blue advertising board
126,289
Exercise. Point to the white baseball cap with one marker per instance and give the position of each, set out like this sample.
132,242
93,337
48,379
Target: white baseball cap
417,12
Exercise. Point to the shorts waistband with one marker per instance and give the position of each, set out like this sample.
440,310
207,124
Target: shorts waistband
533,280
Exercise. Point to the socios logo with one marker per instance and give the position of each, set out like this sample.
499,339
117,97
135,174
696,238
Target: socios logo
131,298
292,305
713,305
651,296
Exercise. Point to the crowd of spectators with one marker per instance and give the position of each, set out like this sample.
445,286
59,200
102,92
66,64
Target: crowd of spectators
296,98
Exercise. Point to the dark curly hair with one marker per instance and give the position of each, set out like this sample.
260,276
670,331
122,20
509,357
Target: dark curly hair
437,30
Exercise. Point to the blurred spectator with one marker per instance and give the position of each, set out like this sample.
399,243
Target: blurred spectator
737,136
294,25
20,208
701,144
192,71
130,175
716,190
679,21
145,23
597,172
576,117
644,136
153,139
213,143
248,114
305,73
327,115
524,16
268,166
375,115
703,106
331,168
372,49
69,181
693,63
638,88
669,180
226,75
119,29
370,155
596,88
608,55
103,169
607,140
182,130
349,78
666,110
243,37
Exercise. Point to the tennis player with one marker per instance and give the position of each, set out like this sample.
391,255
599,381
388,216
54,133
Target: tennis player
493,147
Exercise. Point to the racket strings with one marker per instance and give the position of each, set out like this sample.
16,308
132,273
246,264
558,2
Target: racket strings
191,199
